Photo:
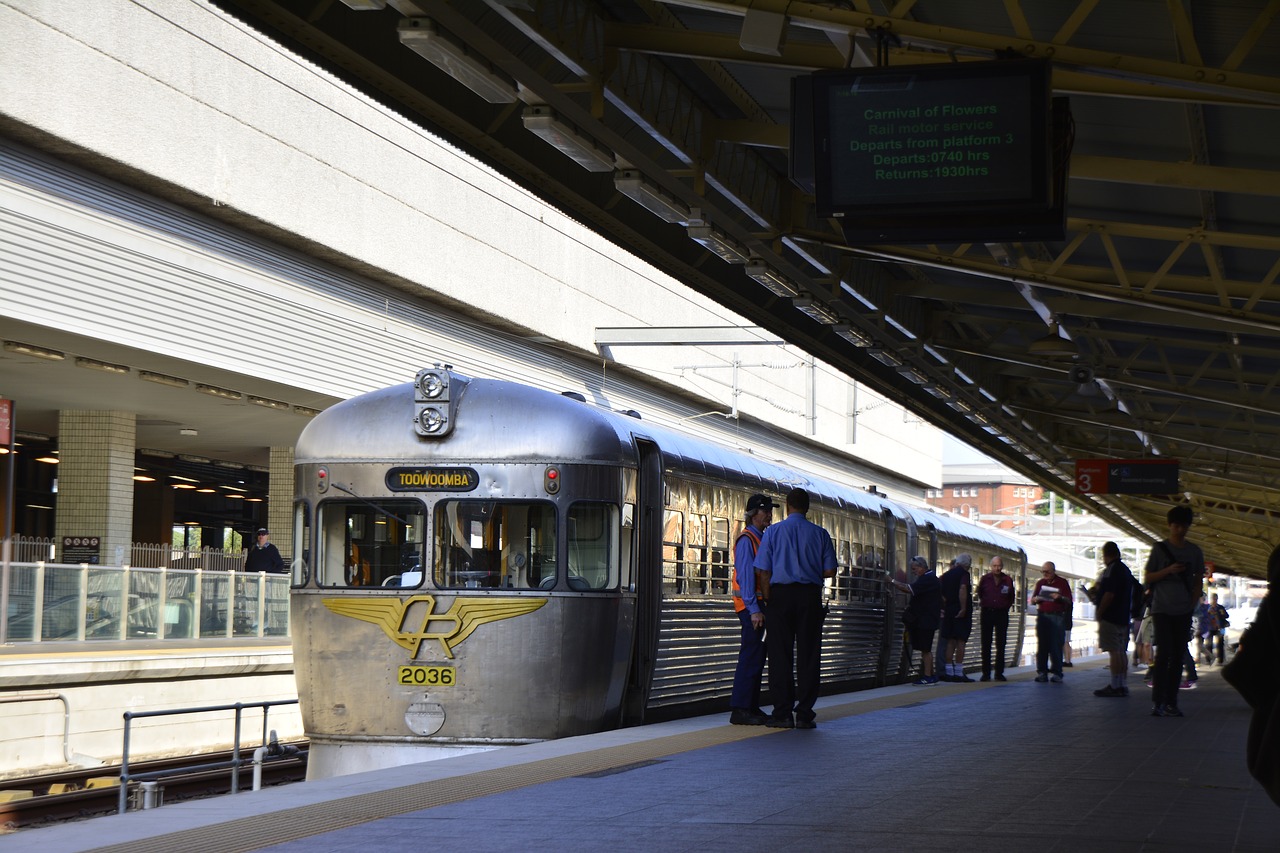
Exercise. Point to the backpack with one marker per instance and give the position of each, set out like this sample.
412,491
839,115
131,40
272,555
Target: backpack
1137,601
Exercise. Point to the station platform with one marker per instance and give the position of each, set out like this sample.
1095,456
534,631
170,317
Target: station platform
994,766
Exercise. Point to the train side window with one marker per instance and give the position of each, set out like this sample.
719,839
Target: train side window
672,551
593,532
370,544
300,567
695,555
720,558
486,544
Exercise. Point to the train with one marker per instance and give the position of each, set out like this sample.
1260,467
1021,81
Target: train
481,563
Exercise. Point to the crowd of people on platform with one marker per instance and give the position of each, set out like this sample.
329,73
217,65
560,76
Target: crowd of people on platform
780,570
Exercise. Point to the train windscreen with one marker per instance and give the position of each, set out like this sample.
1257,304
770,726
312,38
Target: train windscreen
495,544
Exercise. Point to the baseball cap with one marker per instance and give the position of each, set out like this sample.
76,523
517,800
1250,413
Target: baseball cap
756,502
262,531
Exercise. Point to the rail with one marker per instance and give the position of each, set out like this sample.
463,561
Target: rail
234,763
60,602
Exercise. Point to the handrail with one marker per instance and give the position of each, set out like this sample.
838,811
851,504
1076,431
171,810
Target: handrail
234,762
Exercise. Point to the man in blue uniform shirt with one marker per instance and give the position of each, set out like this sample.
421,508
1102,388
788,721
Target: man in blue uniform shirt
748,602
797,555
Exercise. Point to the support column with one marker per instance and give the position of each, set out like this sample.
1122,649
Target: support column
95,479
280,500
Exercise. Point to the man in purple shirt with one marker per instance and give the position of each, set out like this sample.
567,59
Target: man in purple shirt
797,555
995,598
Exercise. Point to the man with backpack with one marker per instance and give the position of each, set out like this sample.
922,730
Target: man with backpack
1113,594
1174,572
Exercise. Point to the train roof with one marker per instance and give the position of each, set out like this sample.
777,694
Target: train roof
493,424
962,529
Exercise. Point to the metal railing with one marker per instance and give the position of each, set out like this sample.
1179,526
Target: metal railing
33,549
57,602
234,763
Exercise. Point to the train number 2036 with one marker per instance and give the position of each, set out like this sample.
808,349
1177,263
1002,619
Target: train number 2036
428,676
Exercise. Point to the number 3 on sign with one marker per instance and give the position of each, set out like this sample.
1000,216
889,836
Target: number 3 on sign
1091,476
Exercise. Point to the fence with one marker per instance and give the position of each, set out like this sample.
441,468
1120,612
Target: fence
53,602
34,549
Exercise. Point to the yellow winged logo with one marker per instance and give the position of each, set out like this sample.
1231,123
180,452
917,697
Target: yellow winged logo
448,628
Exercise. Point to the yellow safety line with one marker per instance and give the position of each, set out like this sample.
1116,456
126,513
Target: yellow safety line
258,831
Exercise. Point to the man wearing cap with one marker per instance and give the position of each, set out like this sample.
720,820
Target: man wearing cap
797,555
748,602
264,557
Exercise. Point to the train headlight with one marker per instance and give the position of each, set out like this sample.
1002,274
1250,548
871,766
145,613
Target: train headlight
431,421
433,384
322,480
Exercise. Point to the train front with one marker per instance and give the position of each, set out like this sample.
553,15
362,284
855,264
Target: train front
461,582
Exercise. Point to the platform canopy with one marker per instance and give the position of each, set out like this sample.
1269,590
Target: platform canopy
1145,332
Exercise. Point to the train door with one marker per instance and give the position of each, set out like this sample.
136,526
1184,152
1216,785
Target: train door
648,580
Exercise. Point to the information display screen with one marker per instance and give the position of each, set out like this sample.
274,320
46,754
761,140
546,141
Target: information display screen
934,142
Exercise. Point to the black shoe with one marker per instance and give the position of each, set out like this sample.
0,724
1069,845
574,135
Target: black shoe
740,717
1172,711
1068,663
785,722
1000,677
962,679
1157,711
1042,678
806,724
985,677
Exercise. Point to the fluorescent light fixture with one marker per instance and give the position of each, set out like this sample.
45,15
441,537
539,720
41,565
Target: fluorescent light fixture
234,497
717,243
50,460
187,431
159,454
163,379
222,463
775,281
815,310
942,392
183,486
183,479
143,478
914,374
253,500
215,391
853,336
885,357
270,404
32,349
365,5
632,184
233,488
961,405
543,122
104,366
199,460
206,491
305,412
423,37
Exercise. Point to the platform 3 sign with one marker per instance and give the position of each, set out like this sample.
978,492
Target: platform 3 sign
1126,476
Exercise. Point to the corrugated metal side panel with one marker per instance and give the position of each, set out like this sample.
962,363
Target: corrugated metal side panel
852,637
697,651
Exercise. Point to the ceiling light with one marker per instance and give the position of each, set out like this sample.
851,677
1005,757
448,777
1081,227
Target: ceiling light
51,460
235,497
206,491
365,5
852,335
423,37
815,310
543,122
914,374
885,357
184,479
143,478
1053,344
188,432
215,391
233,488
775,281
104,366
632,184
199,460
270,404
162,454
163,379
32,349
183,486
305,412
717,243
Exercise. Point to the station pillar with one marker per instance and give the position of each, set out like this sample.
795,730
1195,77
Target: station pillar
95,479
280,500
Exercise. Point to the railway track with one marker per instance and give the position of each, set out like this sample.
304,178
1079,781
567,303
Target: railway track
75,794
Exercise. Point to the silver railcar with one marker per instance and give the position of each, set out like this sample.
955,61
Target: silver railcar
483,563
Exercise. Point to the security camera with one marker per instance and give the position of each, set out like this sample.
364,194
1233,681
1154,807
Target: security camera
1080,374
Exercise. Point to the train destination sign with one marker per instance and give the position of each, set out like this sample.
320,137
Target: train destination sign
1126,476
432,479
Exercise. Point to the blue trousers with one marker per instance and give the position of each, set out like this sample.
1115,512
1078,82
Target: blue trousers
746,678
1051,633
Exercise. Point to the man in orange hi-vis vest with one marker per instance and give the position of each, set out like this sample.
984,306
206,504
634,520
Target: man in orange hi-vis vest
748,603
